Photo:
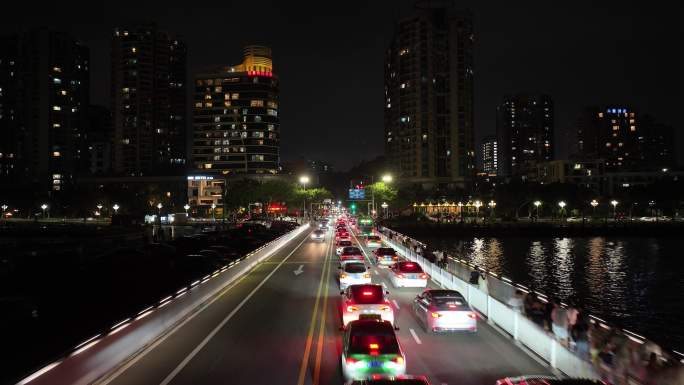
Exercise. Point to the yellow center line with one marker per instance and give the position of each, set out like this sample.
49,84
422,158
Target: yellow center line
312,326
321,330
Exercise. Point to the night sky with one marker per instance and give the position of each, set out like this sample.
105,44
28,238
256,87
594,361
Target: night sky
329,56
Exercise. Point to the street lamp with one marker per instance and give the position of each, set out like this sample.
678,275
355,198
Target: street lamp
492,205
536,205
562,205
116,208
304,180
477,205
387,178
614,203
159,206
384,205
460,210
213,211
99,209
593,204
651,204
4,208
186,207
44,206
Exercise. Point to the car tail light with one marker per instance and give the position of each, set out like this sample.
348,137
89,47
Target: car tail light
452,306
385,308
472,315
343,275
423,276
409,265
435,315
352,308
373,346
395,258
398,359
366,275
367,293
399,275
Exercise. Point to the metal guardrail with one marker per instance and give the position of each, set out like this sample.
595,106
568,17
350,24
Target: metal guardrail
103,353
492,305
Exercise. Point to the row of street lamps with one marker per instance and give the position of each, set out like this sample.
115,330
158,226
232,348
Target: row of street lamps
593,204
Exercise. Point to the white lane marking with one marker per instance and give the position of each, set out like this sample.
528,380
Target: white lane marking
394,301
376,272
211,335
118,372
299,270
415,336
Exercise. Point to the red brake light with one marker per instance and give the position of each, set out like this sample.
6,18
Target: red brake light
423,276
395,258
367,293
409,265
452,306
351,361
399,360
472,315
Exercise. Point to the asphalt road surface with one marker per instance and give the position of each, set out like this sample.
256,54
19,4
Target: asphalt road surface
266,329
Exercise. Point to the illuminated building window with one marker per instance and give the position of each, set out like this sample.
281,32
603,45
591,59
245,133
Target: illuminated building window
257,119
63,92
272,105
209,104
56,125
632,128
258,158
198,104
236,96
207,97
56,154
56,108
218,89
57,69
607,144
226,103
256,103
271,127
134,50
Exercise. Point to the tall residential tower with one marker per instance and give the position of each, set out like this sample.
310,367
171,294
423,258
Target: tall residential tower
524,130
149,102
429,97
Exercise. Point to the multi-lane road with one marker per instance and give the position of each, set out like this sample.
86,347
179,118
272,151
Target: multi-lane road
280,324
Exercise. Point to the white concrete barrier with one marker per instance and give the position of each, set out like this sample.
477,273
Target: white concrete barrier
104,353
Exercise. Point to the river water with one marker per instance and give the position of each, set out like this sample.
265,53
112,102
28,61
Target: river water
635,283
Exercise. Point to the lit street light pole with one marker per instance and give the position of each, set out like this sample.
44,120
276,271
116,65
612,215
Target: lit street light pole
4,209
186,207
593,204
614,203
384,205
44,206
304,180
562,205
477,205
116,208
213,212
536,205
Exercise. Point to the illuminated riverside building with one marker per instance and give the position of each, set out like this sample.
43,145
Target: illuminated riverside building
489,150
236,129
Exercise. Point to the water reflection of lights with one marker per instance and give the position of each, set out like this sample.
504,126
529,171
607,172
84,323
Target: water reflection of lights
536,259
563,267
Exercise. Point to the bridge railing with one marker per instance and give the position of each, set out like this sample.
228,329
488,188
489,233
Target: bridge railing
492,305
107,352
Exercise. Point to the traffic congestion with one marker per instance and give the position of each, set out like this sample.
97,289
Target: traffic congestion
371,351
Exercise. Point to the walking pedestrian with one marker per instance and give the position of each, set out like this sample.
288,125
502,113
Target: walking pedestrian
483,284
559,323
475,276
516,301
580,336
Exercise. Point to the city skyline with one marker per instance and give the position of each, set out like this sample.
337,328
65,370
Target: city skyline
525,59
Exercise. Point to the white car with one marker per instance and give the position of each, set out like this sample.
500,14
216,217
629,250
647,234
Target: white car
385,256
366,301
408,274
443,311
354,273
318,235
373,241
340,245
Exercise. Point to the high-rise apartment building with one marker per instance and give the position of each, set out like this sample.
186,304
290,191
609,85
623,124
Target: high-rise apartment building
429,97
44,96
490,152
149,102
624,140
524,131
236,129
